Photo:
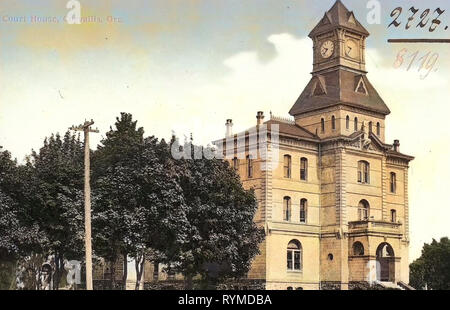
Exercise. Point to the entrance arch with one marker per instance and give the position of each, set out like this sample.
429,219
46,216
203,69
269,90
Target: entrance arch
385,263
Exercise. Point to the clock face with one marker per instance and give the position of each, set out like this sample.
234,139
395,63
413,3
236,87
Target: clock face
327,49
351,49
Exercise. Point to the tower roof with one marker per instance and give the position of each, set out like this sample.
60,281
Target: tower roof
339,87
338,17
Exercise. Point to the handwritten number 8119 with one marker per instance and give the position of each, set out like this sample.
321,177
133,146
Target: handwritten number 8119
424,19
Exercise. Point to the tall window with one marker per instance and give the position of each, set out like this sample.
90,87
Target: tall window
322,125
333,122
249,166
363,210
236,163
347,122
287,166
393,216
287,208
378,129
356,124
303,209
294,255
303,169
363,172
393,182
370,126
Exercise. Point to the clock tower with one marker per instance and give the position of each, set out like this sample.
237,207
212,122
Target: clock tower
339,40
339,100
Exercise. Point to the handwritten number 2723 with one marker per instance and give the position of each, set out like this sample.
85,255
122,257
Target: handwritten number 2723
423,18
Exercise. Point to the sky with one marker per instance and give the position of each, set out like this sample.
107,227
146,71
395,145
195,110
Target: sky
185,66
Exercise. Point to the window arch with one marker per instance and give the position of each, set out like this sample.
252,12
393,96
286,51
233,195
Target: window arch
303,210
322,125
393,216
356,124
303,169
363,172
287,166
347,122
249,167
370,126
333,122
287,208
393,182
294,256
363,210
358,249
378,129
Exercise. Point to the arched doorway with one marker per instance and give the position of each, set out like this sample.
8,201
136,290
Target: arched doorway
385,263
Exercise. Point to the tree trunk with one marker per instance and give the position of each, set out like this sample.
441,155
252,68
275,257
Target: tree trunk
189,282
58,272
112,269
139,264
125,271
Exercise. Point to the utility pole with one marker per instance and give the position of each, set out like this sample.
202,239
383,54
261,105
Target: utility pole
86,128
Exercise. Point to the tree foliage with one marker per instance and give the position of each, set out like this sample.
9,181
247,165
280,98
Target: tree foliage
432,268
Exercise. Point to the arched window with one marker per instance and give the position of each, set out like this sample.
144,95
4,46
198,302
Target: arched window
322,125
236,163
303,210
333,122
363,172
358,249
370,126
294,255
356,124
363,210
303,169
249,166
393,216
347,122
378,129
287,208
287,166
393,182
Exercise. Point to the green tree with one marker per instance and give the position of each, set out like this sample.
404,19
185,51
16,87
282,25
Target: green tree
223,238
57,198
432,268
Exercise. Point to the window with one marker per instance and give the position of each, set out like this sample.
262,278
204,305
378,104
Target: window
393,216
363,172
303,169
356,124
333,122
378,129
370,127
287,208
289,288
358,249
322,125
393,182
294,256
155,271
330,257
249,167
363,210
287,166
236,163
303,209
347,122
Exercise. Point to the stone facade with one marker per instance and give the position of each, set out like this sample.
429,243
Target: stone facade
354,229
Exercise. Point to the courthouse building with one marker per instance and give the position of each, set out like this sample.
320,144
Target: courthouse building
335,208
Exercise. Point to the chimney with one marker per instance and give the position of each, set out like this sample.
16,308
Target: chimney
229,128
259,118
396,145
